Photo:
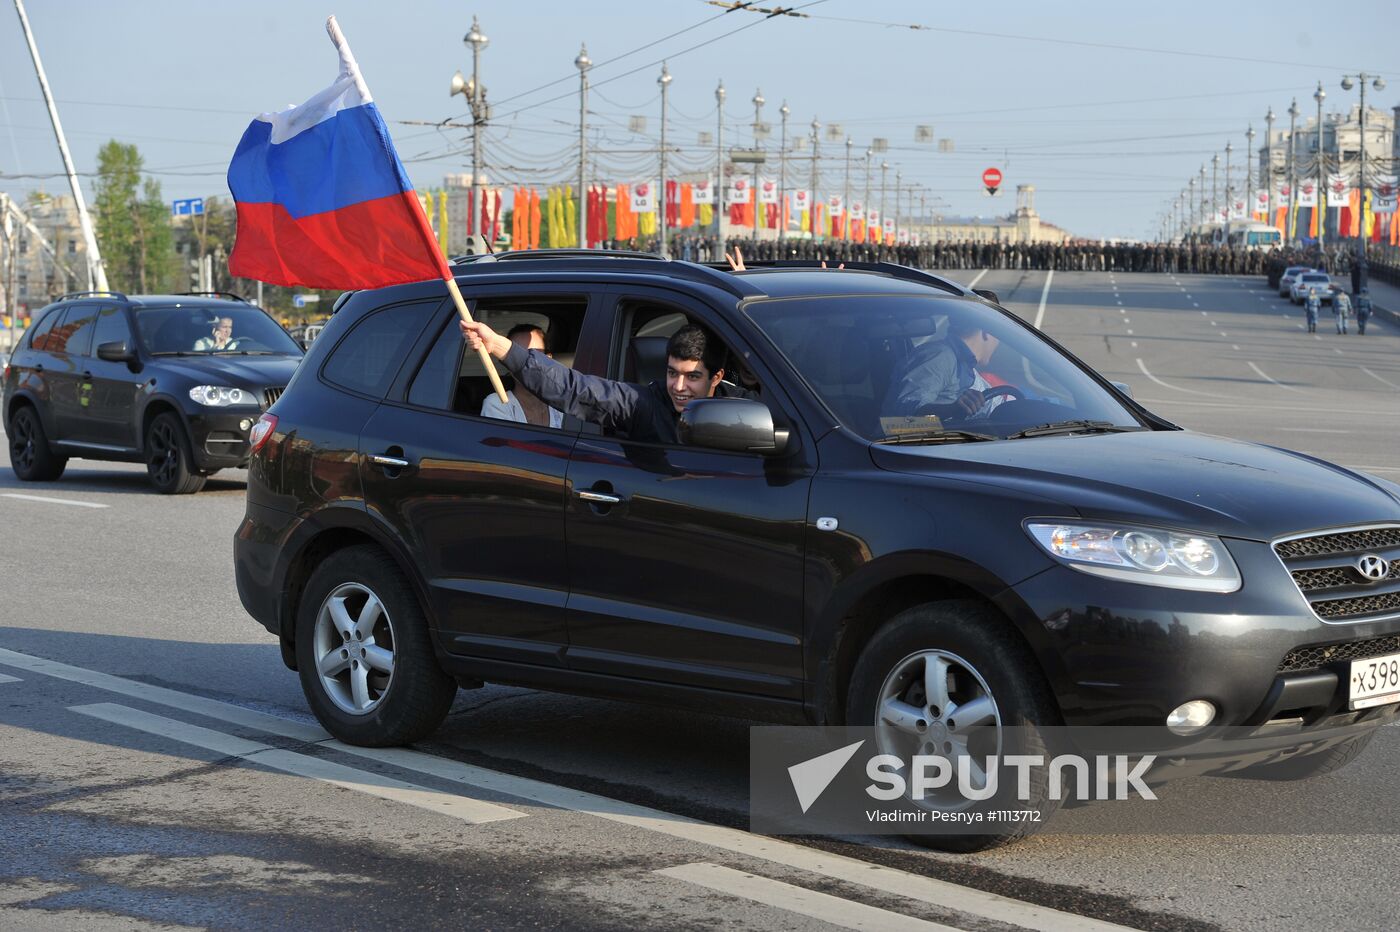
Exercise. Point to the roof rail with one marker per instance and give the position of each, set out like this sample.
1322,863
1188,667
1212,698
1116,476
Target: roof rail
892,269
601,260
213,294
90,294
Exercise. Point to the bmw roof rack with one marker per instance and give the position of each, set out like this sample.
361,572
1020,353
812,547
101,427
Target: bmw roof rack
213,294
92,294
891,269
587,260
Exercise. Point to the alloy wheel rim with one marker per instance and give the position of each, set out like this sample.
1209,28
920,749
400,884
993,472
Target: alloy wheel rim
22,442
164,454
353,647
934,702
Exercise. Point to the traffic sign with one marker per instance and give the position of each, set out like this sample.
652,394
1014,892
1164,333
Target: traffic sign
991,180
302,300
187,206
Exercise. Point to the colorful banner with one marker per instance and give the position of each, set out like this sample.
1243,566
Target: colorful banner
1261,201
1338,190
836,205
1307,194
1238,209
801,201
644,197
767,191
857,211
1383,195
703,192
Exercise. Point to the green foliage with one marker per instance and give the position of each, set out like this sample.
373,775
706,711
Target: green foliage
133,223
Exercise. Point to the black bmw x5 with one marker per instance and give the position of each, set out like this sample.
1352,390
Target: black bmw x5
814,552
174,381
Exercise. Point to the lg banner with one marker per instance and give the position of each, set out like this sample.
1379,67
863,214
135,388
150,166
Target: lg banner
704,192
644,197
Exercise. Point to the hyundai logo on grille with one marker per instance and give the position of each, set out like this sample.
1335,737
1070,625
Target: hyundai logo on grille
1373,567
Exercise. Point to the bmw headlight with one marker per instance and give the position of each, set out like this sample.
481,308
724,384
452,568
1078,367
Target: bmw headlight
217,396
1140,554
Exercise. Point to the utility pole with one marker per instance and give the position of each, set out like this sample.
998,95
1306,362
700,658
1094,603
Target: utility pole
1292,166
1192,186
1379,85
477,40
97,274
898,190
1320,95
884,217
812,198
665,81
1203,195
582,63
868,153
1214,195
782,174
846,196
1269,156
1229,193
1249,170
754,191
719,164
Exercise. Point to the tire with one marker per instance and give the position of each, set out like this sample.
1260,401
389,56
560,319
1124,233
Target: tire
357,700
1311,765
169,461
986,660
30,455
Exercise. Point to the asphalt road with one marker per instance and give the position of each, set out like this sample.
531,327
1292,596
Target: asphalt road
158,767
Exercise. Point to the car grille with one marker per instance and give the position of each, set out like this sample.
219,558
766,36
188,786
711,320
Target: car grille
1311,658
270,396
1325,569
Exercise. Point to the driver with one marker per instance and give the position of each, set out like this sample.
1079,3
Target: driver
219,338
940,377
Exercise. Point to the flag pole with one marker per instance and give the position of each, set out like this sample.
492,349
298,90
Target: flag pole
349,64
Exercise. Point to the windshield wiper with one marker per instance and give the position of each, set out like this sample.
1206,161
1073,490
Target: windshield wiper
1071,427
245,352
935,436
180,353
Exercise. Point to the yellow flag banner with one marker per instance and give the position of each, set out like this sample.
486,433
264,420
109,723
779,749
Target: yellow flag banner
570,218
442,221
707,214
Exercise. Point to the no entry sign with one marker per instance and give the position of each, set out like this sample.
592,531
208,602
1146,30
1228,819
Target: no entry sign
991,180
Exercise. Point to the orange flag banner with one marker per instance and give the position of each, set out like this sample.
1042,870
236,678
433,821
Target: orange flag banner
687,205
534,234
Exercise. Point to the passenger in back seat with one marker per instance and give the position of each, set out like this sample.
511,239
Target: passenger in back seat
522,404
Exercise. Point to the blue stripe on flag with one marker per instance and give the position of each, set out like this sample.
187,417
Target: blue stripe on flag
338,162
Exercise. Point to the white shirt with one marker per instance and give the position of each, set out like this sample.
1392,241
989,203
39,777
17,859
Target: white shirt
512,411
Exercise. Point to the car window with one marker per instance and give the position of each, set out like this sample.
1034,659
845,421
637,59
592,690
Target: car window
882,362
452,379
368,357
73,335
39,333
111,328
227,328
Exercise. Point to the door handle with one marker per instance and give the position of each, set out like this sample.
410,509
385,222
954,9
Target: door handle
600,498
389,462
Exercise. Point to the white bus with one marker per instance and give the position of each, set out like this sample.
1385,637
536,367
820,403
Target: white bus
1254,236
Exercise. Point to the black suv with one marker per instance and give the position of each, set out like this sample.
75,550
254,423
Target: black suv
823,552
174,381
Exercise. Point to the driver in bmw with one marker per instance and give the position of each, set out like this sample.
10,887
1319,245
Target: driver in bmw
940,377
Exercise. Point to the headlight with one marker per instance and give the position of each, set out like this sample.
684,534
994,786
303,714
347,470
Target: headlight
217,396
1140,555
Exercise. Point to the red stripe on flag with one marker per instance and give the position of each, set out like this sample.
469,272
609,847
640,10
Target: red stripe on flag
367,245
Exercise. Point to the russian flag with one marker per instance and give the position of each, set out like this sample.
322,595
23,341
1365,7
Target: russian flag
323,200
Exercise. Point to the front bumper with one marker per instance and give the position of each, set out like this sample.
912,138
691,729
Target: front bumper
1125,654
219,436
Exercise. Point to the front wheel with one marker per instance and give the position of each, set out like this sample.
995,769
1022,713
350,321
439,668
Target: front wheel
364,654
169,461
953,679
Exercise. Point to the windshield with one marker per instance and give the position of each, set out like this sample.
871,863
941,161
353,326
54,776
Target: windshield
1311,279
910,366
205,330
1265,238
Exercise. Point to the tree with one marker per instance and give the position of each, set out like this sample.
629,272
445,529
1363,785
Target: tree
133,223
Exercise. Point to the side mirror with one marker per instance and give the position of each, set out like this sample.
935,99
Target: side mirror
987,293
116,351
1123,387
741,425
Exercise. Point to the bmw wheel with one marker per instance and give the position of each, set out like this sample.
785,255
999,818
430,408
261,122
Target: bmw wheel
30,456
169,461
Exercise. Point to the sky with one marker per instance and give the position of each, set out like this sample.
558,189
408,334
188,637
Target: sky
1106,108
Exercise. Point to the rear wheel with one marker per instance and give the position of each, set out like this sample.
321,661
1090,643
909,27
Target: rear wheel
952,679
169,461
30,456
364,654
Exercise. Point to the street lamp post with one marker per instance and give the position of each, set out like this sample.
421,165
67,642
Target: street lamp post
884,218
664,79
477,40
1229,192
812,197
1192,186
846,196
1214,195
784,110
866,230
758,103
1347,84
719,162
582,63
1249,170
1269,156
1292,167
1203,195
1320,95
897,192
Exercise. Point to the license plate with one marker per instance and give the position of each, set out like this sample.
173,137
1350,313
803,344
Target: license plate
1375,681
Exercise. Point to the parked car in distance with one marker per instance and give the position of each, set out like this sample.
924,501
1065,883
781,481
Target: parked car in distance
1298,291
174,381
1290,275
828,548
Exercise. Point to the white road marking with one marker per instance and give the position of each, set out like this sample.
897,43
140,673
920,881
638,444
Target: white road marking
939,893
1214,324
9,679
1266,377
1143,366
1252,406
1044,293
1379,379
842,913
1337,351
52,501
472,811
1134,344
1130,332
977,278
1224,334
1234,346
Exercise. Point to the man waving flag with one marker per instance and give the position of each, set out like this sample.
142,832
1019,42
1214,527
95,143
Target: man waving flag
324,202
